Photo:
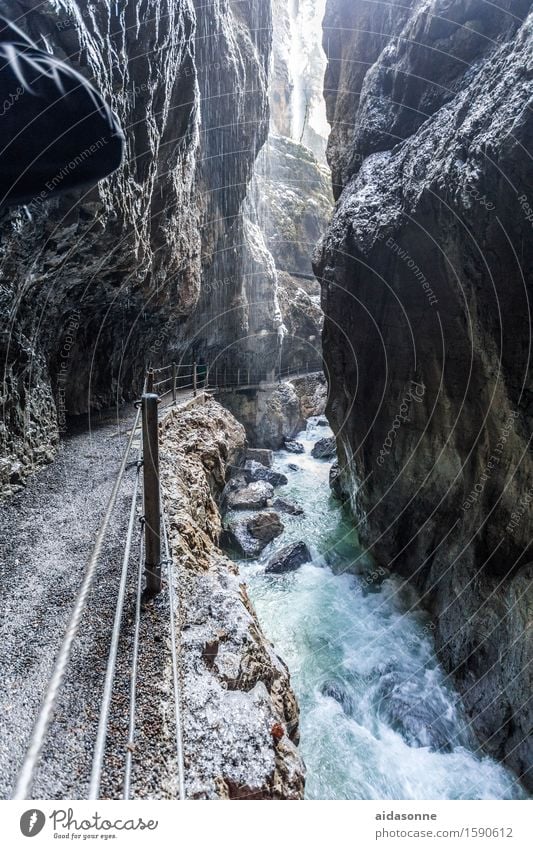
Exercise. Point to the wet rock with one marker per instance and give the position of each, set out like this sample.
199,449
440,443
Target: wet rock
325,448
265,526
293,446
252,497
412,178
250,536
339,691
335,481
261,455
422,718
257,472
294,467
162,221
288,559
284,506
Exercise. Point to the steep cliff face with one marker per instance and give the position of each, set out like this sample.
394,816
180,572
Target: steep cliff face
95,284
293,202
237,319
426,278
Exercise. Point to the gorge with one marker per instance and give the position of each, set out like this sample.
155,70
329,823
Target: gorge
329,203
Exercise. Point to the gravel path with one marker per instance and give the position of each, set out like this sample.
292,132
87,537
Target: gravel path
46,534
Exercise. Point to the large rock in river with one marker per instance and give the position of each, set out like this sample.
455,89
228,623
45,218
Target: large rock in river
254,472
288,559
250,536
252,497
325,448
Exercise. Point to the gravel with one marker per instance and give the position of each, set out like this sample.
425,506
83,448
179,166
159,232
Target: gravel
46,534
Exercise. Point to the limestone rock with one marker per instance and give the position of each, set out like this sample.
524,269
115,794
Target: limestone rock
251,497
325,448
293,446
254,472
432,237
284,506
288,559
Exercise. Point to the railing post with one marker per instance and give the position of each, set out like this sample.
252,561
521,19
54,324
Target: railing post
150,380
152,501
174,382
307,367
238,377
195,379
248,375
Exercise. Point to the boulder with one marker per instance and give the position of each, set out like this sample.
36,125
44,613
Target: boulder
294,467
252,497
250,536
261,455
288,559
325,448
339,691
293,446
265,526
289,507
335,482
254,472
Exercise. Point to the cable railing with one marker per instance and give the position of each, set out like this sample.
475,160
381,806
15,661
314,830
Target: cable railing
148,583
181,381
217,376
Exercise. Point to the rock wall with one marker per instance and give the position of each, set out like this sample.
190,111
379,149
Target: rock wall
153,262
240,714
276,412
237,320
293,204
426,278
298,64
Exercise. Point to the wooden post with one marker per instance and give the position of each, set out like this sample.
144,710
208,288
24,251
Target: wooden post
238,377
152,501
195,379
174,382
248,375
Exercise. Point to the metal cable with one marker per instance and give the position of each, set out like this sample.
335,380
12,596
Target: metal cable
133,684
103,724
175,674
40,729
